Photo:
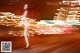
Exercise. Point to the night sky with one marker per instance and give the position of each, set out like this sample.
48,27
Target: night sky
71,0
38,9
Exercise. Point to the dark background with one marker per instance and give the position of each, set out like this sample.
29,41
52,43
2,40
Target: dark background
38,9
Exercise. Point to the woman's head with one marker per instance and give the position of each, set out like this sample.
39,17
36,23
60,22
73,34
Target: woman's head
25,6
